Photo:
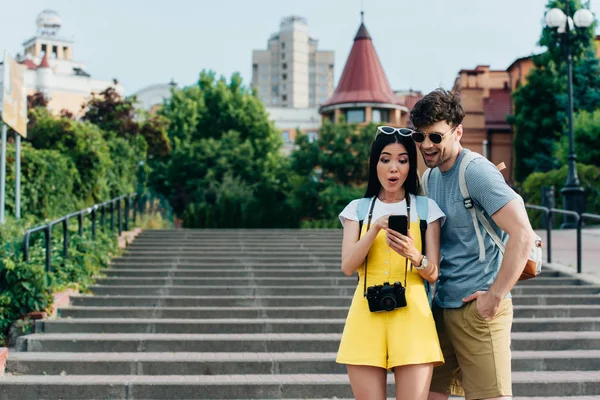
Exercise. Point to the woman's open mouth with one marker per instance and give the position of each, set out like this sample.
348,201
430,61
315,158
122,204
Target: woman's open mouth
393,181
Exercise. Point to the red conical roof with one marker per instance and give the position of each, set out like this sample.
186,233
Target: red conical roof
44,63
363,79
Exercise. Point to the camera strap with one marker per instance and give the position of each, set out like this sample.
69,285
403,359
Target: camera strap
369,226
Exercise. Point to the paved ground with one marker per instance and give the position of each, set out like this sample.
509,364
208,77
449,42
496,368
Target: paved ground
564,249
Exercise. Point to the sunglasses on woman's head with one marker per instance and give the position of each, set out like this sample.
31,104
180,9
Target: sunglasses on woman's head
390,130
436,138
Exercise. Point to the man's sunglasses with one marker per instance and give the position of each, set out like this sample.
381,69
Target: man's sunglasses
435,137
390,130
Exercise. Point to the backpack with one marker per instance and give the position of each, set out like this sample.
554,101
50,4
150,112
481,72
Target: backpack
422,211
534,263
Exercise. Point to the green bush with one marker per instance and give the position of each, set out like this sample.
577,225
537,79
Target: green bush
26,287
589,177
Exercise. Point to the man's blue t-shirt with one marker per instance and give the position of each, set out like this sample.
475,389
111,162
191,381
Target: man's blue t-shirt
461,272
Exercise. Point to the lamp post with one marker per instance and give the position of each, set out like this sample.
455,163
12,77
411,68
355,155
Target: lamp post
572,192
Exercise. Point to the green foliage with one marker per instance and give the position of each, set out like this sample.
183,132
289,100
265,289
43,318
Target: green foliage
329,172
225,168
535,122
540,118
26,287
47,183
586,135
117,117
589,177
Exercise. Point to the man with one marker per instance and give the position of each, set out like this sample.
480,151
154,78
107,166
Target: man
472,308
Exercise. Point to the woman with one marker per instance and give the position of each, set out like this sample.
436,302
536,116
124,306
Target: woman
404,339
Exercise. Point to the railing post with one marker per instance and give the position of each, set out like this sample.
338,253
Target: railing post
112,215
103,216
579,226
80,222
119,219
65,226
135,208
127,213
48,247
26,246
94,209
549,233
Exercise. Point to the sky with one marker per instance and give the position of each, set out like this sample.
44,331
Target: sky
422,44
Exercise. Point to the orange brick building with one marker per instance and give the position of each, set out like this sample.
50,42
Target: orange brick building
487,99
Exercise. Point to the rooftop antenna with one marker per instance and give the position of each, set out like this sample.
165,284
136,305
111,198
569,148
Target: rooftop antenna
362,11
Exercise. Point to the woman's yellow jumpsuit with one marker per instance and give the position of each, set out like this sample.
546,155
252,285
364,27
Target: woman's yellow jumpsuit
388,339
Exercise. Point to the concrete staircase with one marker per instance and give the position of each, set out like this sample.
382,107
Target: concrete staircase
251,314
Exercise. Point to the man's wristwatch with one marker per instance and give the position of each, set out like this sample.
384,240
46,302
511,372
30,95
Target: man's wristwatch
423,263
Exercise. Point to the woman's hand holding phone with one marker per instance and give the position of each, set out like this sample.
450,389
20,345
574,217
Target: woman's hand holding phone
400,240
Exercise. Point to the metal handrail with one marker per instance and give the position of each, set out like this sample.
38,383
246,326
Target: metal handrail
579,219
64,221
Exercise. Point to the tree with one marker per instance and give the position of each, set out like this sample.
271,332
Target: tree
225,168
540,117
117,116
586,134
329,172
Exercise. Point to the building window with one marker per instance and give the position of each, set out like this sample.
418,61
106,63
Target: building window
44,47
284,76
380,115
284,66
286,137
283,45
283,56
284,97
284,87
312,136
356,115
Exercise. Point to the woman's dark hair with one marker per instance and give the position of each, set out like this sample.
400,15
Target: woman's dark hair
411,184
439,105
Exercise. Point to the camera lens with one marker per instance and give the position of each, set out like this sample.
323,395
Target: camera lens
388,302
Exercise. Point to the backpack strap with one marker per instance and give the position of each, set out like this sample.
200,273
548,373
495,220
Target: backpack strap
423,212
425,181
361,211
468,201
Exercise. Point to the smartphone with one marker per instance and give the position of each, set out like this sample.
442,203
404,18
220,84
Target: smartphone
399,223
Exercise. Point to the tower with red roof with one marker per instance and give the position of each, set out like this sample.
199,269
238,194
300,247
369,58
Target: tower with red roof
363,93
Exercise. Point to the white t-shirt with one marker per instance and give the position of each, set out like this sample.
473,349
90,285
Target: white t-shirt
399,208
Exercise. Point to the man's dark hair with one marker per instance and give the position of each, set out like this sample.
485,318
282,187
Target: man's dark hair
439,105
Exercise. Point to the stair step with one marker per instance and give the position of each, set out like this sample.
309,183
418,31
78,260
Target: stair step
265,325
289,301
261,342
140,363
325,312
561,383
278,290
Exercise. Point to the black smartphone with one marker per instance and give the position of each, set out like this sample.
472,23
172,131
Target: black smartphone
399,223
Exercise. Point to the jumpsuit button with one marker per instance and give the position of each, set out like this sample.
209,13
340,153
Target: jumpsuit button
387,261
386,272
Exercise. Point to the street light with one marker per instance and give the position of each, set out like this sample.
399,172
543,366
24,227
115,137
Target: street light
572,192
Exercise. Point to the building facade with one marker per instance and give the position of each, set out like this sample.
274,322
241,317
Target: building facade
152,97
50,68
292,72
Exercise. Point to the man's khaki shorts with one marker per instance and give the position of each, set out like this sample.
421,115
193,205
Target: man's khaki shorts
476,351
